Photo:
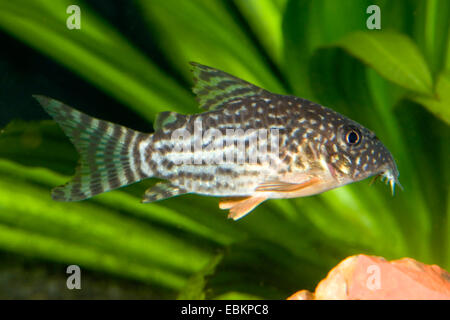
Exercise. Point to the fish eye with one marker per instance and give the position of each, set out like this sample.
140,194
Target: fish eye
352,137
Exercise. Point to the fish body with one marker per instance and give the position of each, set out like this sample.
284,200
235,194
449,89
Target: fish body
249,145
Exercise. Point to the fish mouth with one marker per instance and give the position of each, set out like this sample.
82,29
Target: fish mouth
388,176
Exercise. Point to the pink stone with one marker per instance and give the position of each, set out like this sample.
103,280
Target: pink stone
370,277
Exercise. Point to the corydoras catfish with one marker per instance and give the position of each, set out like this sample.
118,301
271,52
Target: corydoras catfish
248,146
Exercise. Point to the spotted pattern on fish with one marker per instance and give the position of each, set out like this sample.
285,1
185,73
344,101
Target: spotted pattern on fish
317,148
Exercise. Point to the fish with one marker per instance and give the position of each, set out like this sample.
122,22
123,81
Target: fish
224,151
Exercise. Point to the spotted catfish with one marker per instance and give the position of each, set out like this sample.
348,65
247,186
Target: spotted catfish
316,149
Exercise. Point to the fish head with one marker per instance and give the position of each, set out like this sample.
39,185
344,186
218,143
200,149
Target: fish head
355,153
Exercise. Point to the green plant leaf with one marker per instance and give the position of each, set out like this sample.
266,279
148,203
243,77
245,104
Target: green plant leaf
439,105
393,55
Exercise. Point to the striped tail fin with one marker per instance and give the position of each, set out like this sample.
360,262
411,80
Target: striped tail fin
109,153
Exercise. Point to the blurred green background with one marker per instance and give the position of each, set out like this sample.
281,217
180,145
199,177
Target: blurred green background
129,61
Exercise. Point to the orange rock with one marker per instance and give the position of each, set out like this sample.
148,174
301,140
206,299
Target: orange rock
302,295
369,277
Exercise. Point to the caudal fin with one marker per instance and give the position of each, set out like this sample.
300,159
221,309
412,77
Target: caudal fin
109,153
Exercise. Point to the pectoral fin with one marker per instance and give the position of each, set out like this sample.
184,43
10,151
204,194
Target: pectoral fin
281,186
239,207
228,203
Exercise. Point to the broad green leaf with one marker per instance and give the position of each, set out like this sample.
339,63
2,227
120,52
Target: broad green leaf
439,105
309,25
393,55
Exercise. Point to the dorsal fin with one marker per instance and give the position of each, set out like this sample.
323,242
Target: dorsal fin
166,118
214,88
